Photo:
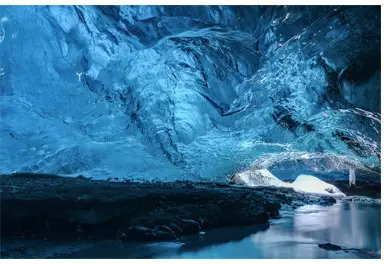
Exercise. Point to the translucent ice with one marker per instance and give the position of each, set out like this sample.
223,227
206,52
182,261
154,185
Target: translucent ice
187,92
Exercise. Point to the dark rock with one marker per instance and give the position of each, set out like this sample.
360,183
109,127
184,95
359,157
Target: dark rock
260,218
189,226
281,196
163,236
82,177
152,211
163,197
272,207
137,233
143,234
22,249
189,186
219,184
329,246
123,236
327,201
164,228
176,228
362,188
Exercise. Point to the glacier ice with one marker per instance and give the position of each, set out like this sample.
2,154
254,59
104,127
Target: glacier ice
189,92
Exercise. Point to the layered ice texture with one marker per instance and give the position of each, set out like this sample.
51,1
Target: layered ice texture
190,92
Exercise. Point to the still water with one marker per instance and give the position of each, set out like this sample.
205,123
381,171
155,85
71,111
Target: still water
355,227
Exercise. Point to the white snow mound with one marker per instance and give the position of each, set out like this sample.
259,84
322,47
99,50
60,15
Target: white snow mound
255,178
303,183
311,184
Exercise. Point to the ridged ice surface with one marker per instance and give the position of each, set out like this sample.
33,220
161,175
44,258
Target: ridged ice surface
189,92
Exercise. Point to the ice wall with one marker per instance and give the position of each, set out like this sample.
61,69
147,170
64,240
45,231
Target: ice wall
187,92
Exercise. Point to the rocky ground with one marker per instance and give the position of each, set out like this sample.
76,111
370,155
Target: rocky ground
49,208
362,188
358,252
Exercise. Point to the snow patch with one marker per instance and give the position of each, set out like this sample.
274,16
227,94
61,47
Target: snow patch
311,184
303,183
255,178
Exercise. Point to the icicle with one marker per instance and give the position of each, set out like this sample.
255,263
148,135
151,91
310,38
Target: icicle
2,31
352,177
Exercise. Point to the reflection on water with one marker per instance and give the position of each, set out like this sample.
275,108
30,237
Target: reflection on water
347,224
351,225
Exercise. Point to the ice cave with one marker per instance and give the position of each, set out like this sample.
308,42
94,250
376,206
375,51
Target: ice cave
190,131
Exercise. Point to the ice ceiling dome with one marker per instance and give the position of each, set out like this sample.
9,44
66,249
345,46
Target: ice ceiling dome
188,92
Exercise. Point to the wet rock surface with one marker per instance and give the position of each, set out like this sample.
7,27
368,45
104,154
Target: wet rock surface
47,207
329,246
365,254
362,188
363,200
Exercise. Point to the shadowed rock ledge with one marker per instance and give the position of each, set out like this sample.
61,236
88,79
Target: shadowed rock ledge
35,206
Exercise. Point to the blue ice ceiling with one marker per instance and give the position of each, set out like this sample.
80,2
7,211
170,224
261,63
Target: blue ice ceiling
188,92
